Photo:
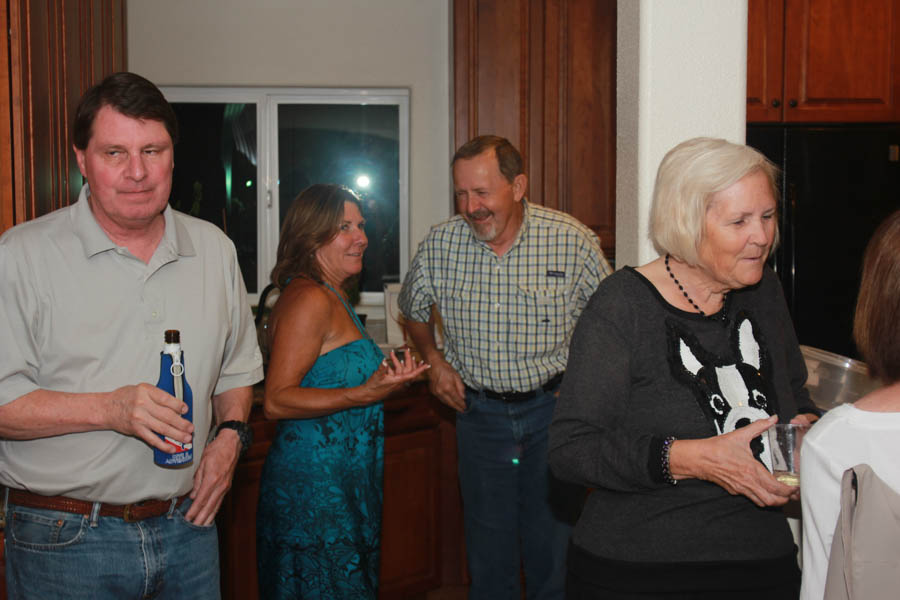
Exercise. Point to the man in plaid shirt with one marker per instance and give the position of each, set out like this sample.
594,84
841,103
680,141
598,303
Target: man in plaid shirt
509,280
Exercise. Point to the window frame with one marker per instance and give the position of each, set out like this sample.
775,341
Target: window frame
267,101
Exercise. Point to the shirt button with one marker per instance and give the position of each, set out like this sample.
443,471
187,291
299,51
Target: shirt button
497,305
154,314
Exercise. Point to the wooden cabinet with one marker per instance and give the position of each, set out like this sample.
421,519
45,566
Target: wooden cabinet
421,539
2,568
823,60
57,49
236,520
542,73
6,187
421,544
765,52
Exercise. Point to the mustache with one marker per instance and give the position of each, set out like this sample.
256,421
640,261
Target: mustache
479,214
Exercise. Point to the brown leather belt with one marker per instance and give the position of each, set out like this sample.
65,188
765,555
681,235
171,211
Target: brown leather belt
137,511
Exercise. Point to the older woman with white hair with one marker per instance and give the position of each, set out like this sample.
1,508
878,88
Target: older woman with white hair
675,370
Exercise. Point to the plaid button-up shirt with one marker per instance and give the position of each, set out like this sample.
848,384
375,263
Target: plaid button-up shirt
507,320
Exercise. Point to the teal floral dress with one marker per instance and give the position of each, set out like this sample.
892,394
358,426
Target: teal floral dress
318,522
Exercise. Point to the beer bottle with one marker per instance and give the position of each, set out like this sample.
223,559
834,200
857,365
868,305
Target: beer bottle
173,381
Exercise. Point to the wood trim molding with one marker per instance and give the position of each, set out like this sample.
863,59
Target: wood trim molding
563,201
18,100
525,59
7,212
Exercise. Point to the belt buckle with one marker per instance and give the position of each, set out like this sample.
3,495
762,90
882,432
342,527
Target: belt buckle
126,514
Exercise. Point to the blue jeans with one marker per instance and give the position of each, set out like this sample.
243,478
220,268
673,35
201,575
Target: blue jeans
515,512
52,554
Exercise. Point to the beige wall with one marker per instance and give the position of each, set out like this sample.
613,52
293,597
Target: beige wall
317,43
667,51
681,73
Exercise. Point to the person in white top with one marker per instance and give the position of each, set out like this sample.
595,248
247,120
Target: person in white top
868,431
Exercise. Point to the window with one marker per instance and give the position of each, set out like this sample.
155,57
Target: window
245,153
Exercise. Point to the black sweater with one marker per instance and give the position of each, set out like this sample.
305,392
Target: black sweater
627,387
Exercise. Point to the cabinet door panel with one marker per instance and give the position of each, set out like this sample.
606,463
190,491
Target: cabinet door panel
237,532
411,515
765,38
237,517
542,74
588,151
841,60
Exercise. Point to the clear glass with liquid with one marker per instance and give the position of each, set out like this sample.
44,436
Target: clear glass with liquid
785,441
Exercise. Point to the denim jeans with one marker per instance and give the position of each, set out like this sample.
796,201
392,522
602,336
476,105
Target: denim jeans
515,513
52,554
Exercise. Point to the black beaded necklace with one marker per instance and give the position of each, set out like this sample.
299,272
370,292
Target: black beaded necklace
681,287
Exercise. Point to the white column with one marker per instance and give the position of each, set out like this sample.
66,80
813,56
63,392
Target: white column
681,73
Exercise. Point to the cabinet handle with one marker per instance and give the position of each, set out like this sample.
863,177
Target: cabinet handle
776,102
792,103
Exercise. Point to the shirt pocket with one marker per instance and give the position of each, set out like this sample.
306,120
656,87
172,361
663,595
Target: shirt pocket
541,322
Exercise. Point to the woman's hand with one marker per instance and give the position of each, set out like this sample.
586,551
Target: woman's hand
392,374
804,419
727,461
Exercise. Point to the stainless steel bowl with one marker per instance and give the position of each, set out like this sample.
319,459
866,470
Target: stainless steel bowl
835,379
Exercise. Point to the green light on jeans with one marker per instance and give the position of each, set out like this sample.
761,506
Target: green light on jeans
515,461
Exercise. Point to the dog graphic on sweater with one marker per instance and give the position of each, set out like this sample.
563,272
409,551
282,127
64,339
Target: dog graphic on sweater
731,394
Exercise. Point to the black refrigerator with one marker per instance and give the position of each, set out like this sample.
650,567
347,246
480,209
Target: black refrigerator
838,183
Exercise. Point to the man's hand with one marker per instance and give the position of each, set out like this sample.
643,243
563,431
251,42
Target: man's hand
443,380
445,383
144,410
213,477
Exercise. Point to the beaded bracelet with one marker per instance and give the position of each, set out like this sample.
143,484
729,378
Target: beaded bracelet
666,470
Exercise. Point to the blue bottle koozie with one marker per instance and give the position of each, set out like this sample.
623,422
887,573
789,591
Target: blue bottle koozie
173,381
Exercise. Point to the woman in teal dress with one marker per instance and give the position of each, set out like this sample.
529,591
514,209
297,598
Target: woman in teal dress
319,514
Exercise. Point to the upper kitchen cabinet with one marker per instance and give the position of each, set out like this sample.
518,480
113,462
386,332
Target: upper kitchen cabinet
57,49
542,73
765,51
823,60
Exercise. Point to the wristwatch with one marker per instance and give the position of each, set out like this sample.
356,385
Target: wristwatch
245,434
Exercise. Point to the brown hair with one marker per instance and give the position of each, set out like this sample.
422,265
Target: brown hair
508,158
312,221
875,325
129,94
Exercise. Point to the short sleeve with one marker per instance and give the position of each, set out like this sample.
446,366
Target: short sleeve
242,361
19,307
417,293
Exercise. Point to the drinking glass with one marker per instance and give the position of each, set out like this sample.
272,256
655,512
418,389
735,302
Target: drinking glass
785,441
